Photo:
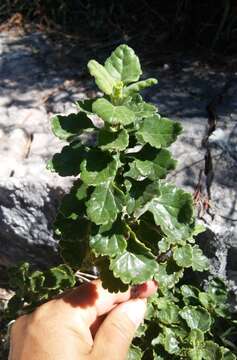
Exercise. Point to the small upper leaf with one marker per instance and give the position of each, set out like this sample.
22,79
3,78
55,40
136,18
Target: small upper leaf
103,79
140,85
123,65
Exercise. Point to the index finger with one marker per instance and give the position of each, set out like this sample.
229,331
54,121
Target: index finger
93,300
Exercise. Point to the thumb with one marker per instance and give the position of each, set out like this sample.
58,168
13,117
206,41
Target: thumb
115,335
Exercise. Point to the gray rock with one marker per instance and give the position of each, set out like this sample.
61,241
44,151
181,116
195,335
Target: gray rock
29,194
27,213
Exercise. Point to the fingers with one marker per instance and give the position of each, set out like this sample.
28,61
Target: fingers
93,300
115,334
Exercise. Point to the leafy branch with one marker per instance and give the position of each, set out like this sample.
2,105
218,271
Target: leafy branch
122,217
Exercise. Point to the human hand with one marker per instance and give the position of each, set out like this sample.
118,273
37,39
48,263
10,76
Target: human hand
87,323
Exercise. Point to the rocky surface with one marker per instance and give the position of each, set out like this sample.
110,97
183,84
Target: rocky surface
35,82
205,102
31,90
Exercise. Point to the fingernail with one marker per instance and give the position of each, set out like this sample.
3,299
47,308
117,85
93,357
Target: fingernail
135,310
137,290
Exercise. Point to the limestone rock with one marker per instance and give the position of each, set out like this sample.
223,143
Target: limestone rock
27,213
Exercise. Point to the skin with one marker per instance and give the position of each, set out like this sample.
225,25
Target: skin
87,323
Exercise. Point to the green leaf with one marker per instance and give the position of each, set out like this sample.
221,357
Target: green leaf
195,354
156,356
71,206
67,163
104,204
215,300
186,256
81,191
189,291
111,114
212,351
227,354
135,191
141,331
86,105
103,79
109,282
74,238
183,255
36,280
206,300
137,246
168,340
151,307
123,65
171,207
140,85
114,141
148,233
19,276
133,268
196,338
153,170
140,108
111,242
168,312
190,295
64,127
166,277
98,167
166,243
198,229
158,132
72,252
196,317
60,277
134,353
217,288
199,261
180,330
